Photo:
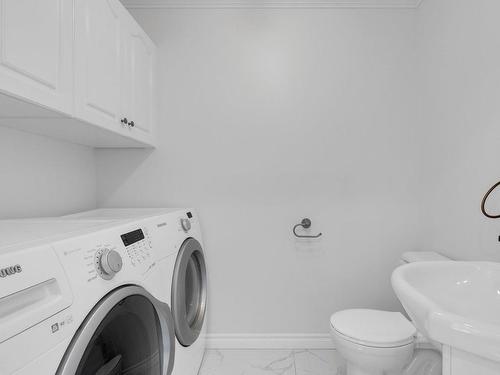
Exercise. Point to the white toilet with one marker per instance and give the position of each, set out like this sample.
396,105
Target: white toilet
375,342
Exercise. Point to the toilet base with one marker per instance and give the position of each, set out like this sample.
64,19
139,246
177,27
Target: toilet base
424,362
352,369
370,360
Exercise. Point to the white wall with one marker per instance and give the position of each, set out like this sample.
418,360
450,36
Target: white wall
43,177
459,48
269,116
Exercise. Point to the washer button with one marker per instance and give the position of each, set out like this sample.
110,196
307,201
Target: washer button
110,263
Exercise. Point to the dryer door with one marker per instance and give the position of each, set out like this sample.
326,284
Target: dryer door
189,292
128,332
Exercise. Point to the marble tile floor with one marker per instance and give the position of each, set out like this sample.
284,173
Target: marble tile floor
272,362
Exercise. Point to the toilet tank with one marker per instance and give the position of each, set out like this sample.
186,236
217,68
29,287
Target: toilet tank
421,256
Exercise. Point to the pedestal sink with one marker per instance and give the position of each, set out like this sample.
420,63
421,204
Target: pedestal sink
456,305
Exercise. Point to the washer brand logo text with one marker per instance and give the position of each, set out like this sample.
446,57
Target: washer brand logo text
9,271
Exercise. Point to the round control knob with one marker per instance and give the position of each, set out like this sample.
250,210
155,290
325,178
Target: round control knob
110,263
186,224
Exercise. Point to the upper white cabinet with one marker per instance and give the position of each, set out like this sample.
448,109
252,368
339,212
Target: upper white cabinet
137,80
81,70
98,61
36,39
114,67
140,70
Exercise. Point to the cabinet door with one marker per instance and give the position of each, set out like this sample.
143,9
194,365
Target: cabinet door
36,40
98,53
142,60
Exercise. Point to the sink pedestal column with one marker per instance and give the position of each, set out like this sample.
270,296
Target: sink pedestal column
458,362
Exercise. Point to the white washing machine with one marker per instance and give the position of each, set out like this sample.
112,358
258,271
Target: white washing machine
74,300
182,281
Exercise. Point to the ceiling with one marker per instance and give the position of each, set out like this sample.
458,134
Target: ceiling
388,4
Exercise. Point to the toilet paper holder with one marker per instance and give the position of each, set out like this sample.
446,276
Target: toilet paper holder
305,223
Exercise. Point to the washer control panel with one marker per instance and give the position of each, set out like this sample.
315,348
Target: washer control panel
138,246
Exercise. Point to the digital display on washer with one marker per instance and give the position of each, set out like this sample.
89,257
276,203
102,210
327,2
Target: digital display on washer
132,237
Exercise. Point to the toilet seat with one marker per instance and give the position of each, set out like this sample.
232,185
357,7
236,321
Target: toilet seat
373,328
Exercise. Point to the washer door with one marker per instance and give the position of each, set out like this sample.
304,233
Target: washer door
189,292
129,332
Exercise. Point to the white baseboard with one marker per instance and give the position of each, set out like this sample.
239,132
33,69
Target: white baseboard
268,341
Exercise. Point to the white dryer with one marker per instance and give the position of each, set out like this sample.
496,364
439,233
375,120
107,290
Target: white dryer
73,301
182,281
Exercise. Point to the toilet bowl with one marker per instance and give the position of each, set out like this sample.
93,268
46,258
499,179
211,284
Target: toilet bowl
373,342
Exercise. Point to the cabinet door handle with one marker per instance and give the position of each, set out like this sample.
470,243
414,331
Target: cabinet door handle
124,121
131,123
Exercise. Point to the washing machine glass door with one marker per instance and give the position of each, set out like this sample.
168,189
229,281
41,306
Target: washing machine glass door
128,333
189,292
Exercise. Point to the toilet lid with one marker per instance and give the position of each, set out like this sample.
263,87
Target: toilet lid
374,327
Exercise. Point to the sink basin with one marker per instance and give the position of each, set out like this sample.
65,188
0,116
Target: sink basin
454,303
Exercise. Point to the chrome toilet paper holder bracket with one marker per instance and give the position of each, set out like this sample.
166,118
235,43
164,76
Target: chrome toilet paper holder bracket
306,224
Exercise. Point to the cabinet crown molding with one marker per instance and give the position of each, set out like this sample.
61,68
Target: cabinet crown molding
276,4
